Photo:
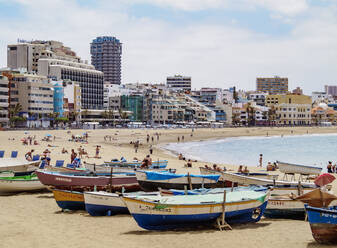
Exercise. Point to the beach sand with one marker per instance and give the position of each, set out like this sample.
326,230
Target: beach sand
34,220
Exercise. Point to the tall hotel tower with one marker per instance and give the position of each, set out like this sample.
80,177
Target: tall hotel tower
106,55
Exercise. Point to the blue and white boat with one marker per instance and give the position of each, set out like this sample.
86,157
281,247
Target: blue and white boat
323,223
103,203
169,212
152,180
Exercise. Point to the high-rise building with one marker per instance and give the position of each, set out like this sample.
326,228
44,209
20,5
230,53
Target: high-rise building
106,56
179,83
331,90
273,86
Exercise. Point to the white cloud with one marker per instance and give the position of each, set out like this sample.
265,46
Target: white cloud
214,55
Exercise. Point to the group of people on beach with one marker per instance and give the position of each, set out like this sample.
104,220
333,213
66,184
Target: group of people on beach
30,140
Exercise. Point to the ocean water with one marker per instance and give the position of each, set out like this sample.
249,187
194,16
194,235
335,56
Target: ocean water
314,150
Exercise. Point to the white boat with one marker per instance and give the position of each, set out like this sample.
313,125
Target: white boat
246,180
101,203
204,170
289,168
16,165
20,184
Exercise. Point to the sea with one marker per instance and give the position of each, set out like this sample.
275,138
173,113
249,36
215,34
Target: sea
314,150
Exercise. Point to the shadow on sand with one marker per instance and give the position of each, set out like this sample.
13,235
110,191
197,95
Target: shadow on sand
314,244
197,229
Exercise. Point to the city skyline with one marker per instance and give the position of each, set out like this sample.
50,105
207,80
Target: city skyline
217,43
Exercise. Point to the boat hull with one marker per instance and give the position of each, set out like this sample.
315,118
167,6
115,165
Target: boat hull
152,216
247,180
323,223
173,183
14,186
16,165
298,169
102,204
70,200
285,209
64,180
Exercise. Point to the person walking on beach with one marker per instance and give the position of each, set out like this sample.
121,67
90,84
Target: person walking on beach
178,139
151,150
182,138
152,139
260,160
147,138
73,155
97,152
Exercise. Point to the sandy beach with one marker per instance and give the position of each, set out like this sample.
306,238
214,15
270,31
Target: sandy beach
34,220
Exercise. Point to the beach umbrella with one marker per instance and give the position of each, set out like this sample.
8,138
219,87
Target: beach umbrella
324,179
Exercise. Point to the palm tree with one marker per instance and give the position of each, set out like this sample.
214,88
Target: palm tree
271,114
250,114
13,111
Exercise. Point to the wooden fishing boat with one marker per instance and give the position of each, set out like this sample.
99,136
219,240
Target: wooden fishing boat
20,184
247,180
116,182
167,212
289,168
71,200
151,180
16,165
103,203
159,164
323,223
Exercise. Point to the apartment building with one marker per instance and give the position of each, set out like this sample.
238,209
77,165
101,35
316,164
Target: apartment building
291,109
72,100
179,83
4,100
272,86
26,54
89,79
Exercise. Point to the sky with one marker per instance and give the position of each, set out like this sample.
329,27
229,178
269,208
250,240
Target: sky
219,43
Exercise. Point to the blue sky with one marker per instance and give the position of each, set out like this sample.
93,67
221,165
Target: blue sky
219,43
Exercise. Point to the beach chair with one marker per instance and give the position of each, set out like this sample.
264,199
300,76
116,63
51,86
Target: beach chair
14,154
2,154
36,157
59,163
42,164
71,166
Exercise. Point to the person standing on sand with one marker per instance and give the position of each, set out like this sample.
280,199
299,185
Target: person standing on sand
260,160
182,138
152,139
73,155
151,150
97,152
178,139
